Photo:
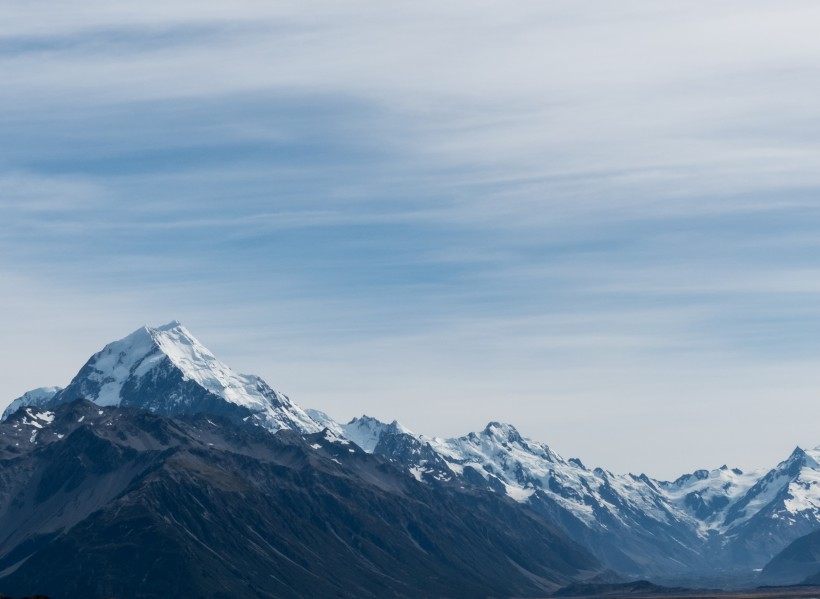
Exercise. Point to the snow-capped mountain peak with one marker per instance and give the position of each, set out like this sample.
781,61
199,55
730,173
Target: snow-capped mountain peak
199,364
707,495
142,350
366,432
167,370
811,457
503,432
804,490
780,506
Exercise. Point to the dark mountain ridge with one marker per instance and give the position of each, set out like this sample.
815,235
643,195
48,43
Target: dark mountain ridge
120,502
800,561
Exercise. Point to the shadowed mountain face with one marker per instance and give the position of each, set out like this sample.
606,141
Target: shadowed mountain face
719,524
121,502
798,562
623,521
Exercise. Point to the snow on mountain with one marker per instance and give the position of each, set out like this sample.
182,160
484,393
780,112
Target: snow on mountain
499,451
804,489
34,398
392,441
521,467
168,371
725,513
635,523
707,495
710,521
791,489
625,520
780,507
525,467
227,508
30,421
366,431
704,503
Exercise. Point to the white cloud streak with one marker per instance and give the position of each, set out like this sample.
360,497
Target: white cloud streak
612,208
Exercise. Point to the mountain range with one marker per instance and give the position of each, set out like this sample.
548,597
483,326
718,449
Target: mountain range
157,449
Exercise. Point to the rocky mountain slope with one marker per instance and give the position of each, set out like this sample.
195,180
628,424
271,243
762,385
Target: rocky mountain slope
109,501
798,562
782,505
719,523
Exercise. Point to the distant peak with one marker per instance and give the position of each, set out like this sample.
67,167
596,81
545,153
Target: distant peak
502,430
800,458
35,398
366,431
365,419
374,423
798,453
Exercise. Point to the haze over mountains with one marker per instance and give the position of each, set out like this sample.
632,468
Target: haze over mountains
372,502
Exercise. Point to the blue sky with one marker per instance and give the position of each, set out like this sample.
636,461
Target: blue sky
598,221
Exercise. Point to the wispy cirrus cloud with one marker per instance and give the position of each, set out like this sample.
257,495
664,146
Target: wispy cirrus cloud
594,211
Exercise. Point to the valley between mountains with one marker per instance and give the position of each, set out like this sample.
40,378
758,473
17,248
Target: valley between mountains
159,471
